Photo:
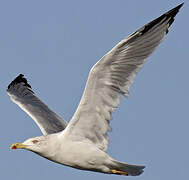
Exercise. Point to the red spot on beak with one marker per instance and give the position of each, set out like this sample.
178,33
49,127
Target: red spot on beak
14,147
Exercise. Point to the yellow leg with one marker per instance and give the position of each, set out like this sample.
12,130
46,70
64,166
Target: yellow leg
119,172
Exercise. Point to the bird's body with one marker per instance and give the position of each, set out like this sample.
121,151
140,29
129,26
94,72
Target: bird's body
70,153
83,154
82,143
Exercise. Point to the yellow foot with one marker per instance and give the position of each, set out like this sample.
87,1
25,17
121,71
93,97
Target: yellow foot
119,172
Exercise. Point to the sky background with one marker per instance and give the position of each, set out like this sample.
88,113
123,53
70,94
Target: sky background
55,43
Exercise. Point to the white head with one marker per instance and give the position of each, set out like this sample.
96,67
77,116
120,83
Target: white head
45,146
38,144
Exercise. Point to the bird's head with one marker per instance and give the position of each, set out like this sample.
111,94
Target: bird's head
36,144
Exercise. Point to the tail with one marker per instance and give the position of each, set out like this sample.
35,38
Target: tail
126,169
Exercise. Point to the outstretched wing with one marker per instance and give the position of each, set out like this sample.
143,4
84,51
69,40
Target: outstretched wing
21,93
112,76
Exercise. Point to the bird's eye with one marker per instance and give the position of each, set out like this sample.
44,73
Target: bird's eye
35,141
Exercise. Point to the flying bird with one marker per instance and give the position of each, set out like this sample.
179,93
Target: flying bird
82,143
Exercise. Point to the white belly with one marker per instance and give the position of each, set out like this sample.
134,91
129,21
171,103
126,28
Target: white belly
80,155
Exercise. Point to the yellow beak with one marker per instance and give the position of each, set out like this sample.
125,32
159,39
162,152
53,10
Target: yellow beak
18,146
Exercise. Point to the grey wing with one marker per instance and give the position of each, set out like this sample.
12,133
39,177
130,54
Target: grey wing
20,92
112,76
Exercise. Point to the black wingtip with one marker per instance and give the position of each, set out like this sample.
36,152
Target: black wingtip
176,9
168,15
172,13
180,5
20,79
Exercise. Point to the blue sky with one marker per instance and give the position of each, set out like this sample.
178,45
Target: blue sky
55,43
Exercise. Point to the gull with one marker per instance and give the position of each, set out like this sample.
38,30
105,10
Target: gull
82,143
